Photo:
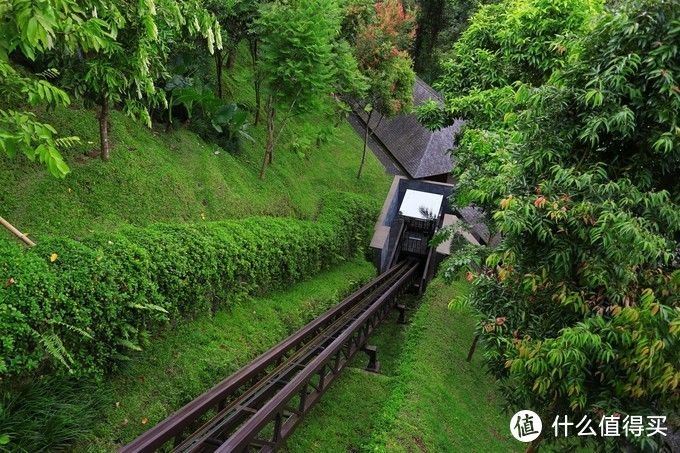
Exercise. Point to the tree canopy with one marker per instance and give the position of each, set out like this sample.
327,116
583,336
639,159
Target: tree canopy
32,30
303,59
384,37
109,52
575,165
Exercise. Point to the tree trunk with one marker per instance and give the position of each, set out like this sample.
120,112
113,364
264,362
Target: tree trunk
472,348
363,157
269,150
105,146
270,131
231,59
218,65
258,102
257,80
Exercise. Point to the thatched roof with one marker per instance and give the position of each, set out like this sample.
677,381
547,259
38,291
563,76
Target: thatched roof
403,145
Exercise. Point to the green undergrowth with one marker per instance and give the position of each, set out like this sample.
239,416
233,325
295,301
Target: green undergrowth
440,402
50,414
181,364
159,176
426,397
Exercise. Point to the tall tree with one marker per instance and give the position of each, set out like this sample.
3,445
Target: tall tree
127,72
33,29
300,58
578,305
381,47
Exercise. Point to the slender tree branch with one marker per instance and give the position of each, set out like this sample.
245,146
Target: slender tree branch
286,117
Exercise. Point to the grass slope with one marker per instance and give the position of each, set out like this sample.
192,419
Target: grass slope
441,402
427,397
175,177
193,357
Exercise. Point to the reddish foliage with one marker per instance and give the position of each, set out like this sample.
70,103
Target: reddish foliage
392,31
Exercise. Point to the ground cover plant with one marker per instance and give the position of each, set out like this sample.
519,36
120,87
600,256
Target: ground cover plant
180,364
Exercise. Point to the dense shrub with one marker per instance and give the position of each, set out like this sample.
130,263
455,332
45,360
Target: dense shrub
28,293
82,306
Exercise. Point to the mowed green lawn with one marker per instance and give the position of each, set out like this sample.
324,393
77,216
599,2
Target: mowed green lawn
427,397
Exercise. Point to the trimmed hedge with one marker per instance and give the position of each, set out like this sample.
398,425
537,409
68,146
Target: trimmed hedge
80,307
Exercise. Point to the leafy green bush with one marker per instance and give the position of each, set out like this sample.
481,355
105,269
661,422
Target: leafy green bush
515,40
28,293
82,306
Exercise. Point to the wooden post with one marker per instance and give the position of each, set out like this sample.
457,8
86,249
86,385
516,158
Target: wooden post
16,232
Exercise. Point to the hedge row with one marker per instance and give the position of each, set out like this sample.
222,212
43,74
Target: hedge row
82,306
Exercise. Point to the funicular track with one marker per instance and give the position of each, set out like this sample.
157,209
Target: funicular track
260,405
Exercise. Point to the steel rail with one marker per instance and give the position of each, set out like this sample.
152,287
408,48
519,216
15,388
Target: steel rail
429,268
243,406
274,410
175,424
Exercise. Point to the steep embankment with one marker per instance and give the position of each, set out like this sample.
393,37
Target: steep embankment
175,176
427,397
441,402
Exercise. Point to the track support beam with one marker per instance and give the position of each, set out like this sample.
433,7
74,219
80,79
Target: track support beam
373,365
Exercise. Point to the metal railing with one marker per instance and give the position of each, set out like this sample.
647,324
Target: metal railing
261,404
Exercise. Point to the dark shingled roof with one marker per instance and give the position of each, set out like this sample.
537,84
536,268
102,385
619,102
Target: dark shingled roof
475,218
414,150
